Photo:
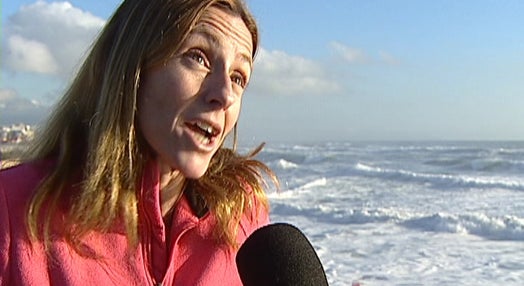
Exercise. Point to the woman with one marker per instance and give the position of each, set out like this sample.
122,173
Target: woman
129,183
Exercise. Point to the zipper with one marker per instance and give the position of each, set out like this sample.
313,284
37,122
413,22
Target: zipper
145,245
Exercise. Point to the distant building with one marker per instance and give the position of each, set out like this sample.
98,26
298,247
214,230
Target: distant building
16,133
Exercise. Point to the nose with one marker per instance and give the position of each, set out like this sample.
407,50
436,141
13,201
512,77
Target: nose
220,92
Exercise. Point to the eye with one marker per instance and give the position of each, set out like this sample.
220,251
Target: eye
239,79
198,56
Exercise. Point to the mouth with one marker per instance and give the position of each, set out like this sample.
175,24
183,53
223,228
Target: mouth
206,132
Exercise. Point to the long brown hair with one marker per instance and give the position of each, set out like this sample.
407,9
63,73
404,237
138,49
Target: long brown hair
93,136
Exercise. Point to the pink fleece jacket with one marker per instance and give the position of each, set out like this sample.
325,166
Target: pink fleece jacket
192,257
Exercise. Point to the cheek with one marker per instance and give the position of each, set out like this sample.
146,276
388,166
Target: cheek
155,113
147,120
232,116
160,99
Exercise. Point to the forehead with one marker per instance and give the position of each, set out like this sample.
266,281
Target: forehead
222,25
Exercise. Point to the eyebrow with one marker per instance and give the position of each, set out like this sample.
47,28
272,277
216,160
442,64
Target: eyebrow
215,41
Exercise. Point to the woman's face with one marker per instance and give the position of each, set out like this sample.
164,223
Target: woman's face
188,106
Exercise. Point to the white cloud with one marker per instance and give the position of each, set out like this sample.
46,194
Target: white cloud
349,54
6,95
16,109
30,55
278,73
356,56
49,38
388,58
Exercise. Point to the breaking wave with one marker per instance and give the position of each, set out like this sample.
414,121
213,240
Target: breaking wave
441,180
488,227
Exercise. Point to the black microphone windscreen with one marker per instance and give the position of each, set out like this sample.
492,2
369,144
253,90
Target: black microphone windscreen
279,254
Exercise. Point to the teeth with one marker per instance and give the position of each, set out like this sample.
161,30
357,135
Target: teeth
204,139
208,129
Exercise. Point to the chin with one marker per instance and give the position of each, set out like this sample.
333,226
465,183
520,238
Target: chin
194,172
191,166
195,176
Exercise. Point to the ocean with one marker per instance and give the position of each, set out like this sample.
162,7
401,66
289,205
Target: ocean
406,213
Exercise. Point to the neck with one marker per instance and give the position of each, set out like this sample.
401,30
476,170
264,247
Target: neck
171,188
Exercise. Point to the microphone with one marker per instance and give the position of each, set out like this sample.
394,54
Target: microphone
279,254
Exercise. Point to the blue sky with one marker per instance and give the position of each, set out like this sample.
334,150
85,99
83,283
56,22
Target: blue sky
327,70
